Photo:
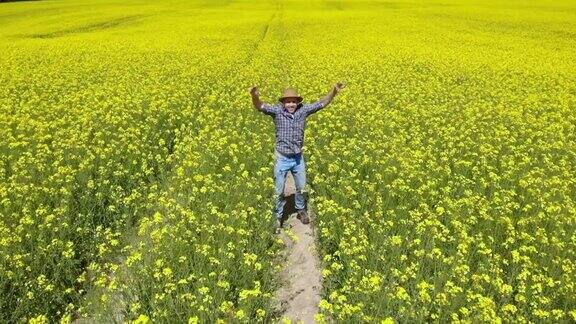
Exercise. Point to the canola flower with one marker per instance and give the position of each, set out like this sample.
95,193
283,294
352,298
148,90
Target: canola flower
446,193
135,178
92,116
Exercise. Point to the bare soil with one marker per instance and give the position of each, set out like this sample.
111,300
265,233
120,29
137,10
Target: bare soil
299,297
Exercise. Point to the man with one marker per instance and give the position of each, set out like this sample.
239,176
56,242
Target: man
290,120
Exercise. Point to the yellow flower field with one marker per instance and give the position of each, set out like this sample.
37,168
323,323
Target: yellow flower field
136,177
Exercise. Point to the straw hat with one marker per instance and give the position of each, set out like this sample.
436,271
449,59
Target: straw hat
290,93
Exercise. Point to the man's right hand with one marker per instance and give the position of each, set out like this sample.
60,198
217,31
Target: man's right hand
254,91
256,98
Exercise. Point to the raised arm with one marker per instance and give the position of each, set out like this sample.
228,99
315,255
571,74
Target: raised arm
268,109
326,100
256,98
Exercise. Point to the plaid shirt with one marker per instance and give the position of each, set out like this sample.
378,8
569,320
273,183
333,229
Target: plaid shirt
290,127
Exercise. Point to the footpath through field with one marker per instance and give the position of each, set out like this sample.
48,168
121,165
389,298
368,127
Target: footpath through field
299,297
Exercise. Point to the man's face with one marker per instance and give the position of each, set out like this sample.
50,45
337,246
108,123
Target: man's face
290,104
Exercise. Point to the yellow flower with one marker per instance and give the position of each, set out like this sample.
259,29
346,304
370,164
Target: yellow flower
241,314
40,319
142,319
402,294
396,240
387,320
260,313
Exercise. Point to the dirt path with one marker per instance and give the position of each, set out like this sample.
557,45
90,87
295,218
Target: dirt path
299,297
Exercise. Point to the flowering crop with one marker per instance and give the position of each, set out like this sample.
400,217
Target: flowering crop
444,180
136,177
103,131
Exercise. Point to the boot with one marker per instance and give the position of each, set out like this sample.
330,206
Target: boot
303,216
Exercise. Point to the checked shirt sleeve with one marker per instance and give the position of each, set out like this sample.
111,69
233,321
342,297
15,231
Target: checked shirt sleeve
314,107
269,109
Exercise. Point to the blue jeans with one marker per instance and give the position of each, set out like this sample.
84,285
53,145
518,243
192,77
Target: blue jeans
296,165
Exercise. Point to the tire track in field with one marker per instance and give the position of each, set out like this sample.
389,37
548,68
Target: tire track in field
89,28
258,43
273,34
284,43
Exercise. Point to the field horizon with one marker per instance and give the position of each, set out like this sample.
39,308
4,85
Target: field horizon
136,176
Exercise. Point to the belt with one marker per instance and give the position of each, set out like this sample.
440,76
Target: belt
287,155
